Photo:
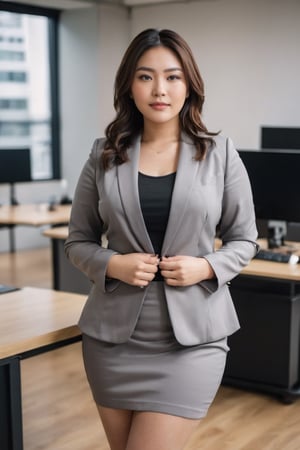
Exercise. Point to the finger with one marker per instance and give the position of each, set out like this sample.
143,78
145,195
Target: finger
150,257
154,260
171,258
167,265
140,282
150,268
172,282
168,274
144,282
164,258
145,276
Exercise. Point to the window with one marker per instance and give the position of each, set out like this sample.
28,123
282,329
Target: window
28,86
8,20
8,55
14,130
13,76
14,103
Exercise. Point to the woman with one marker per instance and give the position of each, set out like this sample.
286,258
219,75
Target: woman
159,312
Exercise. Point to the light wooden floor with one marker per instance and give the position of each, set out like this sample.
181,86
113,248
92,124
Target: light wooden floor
59,414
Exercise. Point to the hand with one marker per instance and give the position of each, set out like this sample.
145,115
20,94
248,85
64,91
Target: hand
184,270
137,269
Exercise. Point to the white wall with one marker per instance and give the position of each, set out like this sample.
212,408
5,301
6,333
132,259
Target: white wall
91,44
79,87
248,54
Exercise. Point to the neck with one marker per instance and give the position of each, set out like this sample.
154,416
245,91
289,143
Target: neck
161,133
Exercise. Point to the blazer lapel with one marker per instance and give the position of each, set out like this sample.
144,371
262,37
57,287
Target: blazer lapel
186,172
128,189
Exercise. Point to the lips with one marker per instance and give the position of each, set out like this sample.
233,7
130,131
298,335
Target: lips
159,106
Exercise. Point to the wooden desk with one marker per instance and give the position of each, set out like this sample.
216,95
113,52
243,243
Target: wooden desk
32,321
57,233
34,215
270,269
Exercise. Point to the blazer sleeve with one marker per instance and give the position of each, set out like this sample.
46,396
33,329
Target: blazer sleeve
83,246
237,228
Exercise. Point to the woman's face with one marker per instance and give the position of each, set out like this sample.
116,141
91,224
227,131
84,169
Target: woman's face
159,87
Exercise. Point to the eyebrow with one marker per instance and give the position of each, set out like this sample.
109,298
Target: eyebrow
149,69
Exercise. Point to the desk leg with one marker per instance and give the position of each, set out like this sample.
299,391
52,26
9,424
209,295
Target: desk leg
55,264
65,276
12,242
11,432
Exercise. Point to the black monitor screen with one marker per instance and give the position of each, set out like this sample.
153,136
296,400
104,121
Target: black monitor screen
275,181
15,165
280,137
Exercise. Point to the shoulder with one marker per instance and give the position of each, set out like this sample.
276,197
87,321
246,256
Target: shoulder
96,151
98,146
223,148
223,156
221,151
223,143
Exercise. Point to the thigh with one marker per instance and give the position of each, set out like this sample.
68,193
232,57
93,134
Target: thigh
157,431
116,424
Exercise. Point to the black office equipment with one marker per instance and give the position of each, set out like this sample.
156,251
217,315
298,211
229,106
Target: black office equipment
269,255
15,165
4,288
280,137
275,181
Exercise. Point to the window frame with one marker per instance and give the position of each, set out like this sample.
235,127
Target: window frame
53,16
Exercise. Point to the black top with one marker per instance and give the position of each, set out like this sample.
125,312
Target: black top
155,198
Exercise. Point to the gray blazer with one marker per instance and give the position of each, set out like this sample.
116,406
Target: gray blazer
208,194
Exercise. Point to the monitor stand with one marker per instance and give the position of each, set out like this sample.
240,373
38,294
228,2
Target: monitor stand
276,233
12,195
14,202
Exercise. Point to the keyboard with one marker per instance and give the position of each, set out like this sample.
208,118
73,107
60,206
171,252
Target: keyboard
269,255
4,288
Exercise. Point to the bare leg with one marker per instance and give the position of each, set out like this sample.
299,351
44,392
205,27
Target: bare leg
156,431
116,424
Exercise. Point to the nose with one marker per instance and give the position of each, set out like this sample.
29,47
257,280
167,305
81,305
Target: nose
159,89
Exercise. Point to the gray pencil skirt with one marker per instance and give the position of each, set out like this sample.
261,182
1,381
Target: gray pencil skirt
152,371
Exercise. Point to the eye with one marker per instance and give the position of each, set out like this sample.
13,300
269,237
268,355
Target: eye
144,77
174,77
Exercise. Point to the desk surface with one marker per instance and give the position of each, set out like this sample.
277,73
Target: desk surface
57,232
270,269
31,318
34,214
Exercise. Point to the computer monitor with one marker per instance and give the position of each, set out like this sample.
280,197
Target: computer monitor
280,137
275,181
15,165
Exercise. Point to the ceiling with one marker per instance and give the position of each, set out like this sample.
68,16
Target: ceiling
76,4
61,4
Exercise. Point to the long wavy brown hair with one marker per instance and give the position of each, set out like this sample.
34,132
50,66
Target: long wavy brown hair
128,122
